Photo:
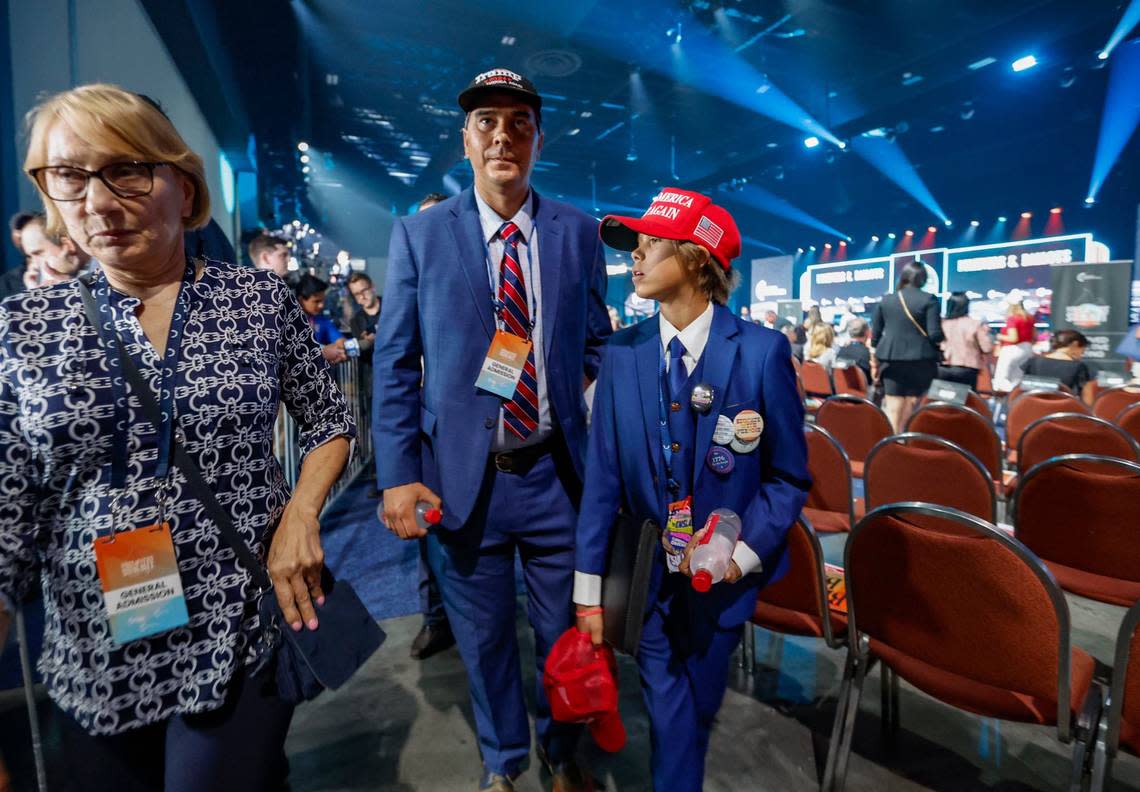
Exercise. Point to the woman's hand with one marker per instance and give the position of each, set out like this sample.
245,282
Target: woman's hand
295,563
592,622
334,352
731,575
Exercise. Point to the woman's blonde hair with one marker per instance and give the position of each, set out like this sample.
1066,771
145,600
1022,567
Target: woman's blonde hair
822,337
111,118
715,280
1017,309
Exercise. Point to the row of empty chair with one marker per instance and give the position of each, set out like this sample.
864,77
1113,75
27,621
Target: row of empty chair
992,636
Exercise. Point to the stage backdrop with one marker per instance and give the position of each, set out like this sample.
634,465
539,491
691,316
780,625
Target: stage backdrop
1093,298
771,281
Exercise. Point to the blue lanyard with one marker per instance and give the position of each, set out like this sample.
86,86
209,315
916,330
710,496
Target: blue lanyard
168,380
663,420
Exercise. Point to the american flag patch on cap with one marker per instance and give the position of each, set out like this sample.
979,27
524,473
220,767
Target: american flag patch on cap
708,231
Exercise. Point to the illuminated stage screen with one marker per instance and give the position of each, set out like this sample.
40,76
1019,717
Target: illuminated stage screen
989,273
841,285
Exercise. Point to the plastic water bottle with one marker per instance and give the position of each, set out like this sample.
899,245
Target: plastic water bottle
711,557
426,514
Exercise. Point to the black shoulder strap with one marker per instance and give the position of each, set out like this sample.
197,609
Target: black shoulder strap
196,482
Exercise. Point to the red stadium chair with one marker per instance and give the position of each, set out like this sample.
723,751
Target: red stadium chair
1129,420
963,427
1031,405
817,382
1121,729
992,638
1111,401
850,380
830,505
797,603
928,469
857,424
1078,514
973,401
1073,433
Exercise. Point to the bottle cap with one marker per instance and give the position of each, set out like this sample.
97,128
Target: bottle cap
702,581
433,516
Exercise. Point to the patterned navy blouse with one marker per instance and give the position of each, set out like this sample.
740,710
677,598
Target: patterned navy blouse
246,346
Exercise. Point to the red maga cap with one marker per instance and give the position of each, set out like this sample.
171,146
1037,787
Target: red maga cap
682,215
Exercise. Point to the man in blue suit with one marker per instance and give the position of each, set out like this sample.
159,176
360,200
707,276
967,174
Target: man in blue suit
500,293
695,410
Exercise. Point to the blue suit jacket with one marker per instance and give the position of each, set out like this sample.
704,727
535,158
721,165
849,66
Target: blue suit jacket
437,306
749,368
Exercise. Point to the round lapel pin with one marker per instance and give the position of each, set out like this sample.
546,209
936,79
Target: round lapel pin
721,460
702,398
723,433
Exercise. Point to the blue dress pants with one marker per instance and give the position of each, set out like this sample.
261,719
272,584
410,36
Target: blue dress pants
683,660
534,514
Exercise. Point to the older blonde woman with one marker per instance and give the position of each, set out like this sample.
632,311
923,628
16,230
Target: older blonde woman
88,494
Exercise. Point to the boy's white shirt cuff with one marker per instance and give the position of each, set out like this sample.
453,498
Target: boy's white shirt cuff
587,588
746,558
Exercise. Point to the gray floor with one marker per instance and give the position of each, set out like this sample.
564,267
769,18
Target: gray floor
406,725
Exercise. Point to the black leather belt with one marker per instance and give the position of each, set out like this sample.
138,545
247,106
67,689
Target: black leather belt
521,460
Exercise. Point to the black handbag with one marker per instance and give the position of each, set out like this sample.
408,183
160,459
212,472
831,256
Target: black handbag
308,661
625,586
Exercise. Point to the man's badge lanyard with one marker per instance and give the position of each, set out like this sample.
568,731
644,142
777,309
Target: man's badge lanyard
138,568
679,521
503,366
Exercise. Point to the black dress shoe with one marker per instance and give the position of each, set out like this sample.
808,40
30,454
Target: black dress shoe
432,639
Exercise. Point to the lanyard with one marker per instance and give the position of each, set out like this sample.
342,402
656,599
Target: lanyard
663,420
168,380
493,277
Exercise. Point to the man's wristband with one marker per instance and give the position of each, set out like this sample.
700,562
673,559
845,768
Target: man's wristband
595,611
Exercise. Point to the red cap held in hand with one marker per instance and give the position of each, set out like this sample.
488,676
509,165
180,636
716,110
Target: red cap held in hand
682,215
581,683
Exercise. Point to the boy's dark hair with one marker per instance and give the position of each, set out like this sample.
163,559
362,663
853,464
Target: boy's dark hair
308,285
1064,338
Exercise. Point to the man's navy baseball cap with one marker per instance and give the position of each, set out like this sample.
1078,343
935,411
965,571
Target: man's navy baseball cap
499,81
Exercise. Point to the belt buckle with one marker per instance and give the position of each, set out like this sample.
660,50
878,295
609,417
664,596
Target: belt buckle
504,462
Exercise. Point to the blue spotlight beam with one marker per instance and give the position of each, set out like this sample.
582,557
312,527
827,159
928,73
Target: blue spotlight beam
764,201
1121,113
702,60
888,158
1128,21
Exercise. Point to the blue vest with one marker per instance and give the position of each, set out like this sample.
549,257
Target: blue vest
683,436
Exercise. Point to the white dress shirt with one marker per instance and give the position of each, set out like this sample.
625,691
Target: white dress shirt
695,336
491,222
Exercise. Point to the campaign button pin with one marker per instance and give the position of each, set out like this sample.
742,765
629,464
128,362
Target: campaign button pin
724,432
747,426
741,447
702,398
720,460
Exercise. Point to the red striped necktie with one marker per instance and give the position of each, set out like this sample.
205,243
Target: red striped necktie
520,414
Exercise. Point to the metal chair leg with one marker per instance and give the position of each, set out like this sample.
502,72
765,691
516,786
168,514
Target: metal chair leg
853,709
748,648
30,700
841,704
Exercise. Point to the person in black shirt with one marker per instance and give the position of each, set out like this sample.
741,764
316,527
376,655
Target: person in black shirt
857,351
363,324
1064,363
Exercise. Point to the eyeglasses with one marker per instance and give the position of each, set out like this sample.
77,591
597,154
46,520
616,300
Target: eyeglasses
124,179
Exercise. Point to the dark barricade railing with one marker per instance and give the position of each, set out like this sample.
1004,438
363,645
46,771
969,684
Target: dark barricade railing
354,381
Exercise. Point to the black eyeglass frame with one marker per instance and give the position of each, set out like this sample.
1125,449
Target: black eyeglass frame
35,173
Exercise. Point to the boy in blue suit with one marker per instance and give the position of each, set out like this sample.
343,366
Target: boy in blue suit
695,410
